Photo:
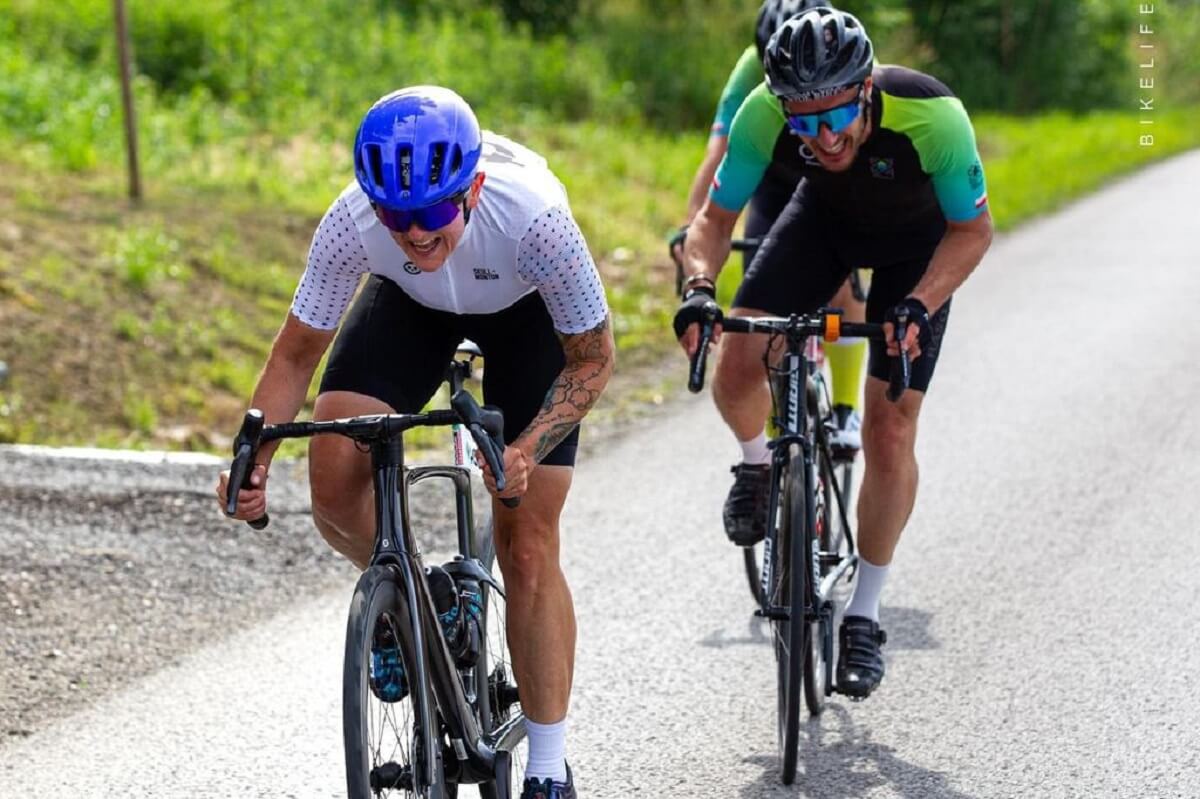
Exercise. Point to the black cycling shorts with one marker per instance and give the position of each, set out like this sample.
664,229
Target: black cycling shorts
767,203
394,349
806,256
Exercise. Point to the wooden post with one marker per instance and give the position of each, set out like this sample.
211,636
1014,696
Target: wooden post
131,146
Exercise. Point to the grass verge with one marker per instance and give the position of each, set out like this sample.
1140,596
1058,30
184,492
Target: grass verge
146,327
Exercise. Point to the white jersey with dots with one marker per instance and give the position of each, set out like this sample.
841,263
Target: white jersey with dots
521,237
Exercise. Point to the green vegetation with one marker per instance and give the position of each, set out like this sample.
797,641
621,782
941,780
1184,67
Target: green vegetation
147,326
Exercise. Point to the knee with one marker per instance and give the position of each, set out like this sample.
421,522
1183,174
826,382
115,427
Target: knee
738,367
888,440
530,555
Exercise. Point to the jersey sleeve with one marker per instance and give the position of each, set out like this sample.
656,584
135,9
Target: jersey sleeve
941,133
336,262
756,126
554,257
747,73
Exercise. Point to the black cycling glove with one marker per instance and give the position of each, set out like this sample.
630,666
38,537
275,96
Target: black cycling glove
691,311
914,312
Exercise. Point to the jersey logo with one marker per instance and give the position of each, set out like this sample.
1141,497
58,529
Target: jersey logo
808,155
982,201
882,168
411,268
485,274
975,175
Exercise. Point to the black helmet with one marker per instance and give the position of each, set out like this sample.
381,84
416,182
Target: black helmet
816,54
774,13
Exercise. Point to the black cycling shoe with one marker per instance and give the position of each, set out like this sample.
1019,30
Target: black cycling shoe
860,663
746,506
550,789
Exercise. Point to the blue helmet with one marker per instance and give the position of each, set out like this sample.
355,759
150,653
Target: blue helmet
417,146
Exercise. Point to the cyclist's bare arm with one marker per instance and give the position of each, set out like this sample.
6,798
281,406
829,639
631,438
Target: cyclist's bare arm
589,360
280,394
956,256
704,253
713,153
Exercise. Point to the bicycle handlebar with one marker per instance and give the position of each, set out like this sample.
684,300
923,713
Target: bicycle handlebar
486,426
828,326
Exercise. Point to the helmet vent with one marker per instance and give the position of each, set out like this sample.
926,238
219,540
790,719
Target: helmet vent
404,161
375,161
437,160
456,160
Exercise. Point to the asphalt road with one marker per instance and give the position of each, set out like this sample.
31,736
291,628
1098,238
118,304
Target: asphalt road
1042,611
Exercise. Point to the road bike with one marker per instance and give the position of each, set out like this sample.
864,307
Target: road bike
808,553
459,720
842,466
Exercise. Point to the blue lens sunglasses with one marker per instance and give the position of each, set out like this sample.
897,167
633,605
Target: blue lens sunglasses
430,217
836,119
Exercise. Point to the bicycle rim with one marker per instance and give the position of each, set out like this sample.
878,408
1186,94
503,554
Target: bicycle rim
788,634
387,744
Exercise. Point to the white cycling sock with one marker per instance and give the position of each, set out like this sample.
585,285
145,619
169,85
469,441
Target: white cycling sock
755,450
547,750
867,589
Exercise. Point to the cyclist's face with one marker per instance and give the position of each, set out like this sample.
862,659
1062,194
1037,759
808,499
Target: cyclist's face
835,151
429,249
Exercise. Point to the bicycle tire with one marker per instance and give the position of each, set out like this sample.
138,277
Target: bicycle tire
789,633
376,605
750,558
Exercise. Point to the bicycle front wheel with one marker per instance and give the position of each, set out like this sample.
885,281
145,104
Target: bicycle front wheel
788,591
498,702
826,542
391,738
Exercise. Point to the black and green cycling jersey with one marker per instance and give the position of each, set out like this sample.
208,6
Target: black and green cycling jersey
919,166
747,73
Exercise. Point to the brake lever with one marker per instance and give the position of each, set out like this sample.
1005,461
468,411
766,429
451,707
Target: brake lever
245,445
712,314
900,373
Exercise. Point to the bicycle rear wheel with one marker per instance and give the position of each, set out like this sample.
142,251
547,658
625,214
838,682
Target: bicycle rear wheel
788,591
392,747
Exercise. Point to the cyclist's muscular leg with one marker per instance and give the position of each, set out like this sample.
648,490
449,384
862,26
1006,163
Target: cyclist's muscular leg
739,384
343,497
541,617
889,486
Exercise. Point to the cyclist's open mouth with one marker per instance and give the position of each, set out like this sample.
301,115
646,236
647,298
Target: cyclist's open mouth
835,153
425,247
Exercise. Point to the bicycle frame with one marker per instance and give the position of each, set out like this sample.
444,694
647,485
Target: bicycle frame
477,757
800,363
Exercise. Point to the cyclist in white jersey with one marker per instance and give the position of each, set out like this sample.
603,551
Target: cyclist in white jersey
464,234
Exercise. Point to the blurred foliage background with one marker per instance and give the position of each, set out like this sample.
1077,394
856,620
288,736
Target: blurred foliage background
246,109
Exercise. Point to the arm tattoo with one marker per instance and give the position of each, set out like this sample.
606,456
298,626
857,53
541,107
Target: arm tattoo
575,391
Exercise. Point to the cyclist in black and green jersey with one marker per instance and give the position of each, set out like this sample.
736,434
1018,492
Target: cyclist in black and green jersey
846,356
891,179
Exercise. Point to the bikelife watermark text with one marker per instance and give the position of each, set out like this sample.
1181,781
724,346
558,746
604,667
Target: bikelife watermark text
1146,70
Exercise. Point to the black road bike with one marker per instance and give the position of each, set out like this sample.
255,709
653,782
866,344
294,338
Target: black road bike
808,554
455,724
843,463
